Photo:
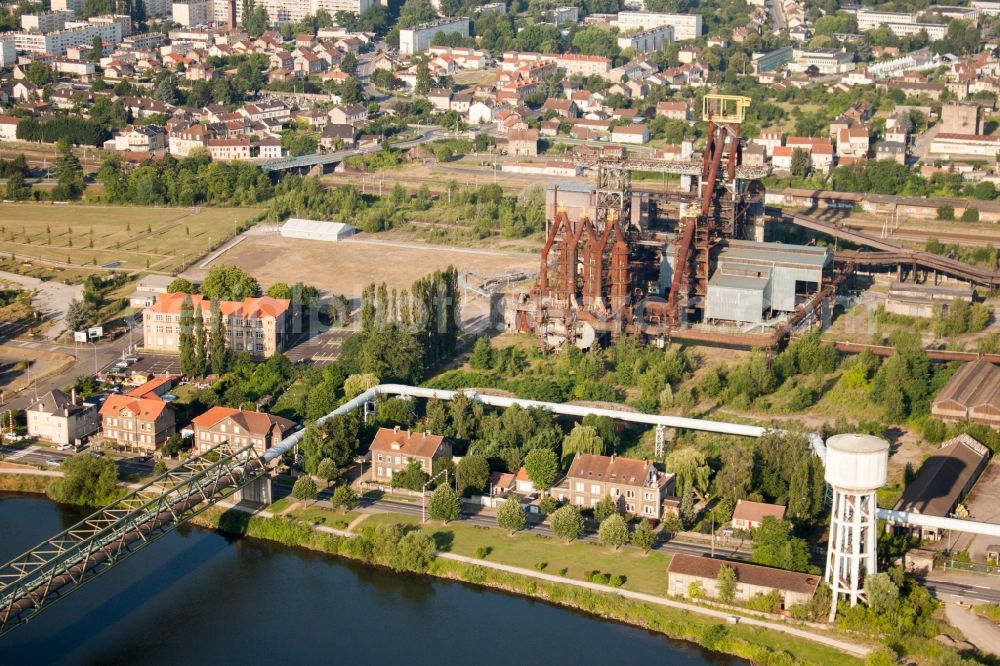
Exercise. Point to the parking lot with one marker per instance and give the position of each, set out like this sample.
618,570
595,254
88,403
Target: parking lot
320,349
150,364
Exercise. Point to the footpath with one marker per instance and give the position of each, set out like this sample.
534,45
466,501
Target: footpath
856,649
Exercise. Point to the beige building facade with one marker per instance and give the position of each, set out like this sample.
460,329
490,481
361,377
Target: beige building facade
59,418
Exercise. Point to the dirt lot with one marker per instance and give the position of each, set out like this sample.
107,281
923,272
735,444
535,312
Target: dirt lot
348,266
14,377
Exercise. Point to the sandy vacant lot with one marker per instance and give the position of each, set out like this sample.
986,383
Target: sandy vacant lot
346,267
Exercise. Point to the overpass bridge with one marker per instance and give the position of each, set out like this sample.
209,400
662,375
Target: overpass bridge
43,575
305,163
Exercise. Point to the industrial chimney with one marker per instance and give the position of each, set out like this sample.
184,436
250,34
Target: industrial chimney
856,466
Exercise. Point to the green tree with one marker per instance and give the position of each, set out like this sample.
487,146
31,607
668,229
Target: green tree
510,515
304,489
349,63
567,523
597,42
229,283
726,584
159,467
79,315
985,191
672,523
444,504
412,477
774,546
200,344
970,215
423,84
688,463
613,531
86,480
472,474
415,552
68,172
800,163
344,498
882,592
17,188
327,471
482,354
945,212
180,285
582,439
604,508
217,353
541,466
185,341
644,536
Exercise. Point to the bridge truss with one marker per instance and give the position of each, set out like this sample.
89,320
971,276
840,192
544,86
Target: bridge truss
51,570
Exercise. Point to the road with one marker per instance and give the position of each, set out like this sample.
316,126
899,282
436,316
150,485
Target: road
427,133
777,14
922,144
947,588
91,356
41,455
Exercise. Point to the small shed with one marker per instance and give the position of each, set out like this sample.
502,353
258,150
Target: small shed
321,230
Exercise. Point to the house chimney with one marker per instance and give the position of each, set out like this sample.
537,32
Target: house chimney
395,429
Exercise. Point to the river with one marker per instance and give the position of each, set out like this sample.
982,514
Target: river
198,596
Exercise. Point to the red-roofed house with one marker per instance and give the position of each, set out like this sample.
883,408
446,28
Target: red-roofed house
749,515
261,326
239,428
143,424
392,450
636,486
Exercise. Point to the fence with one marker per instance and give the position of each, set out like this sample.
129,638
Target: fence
972,567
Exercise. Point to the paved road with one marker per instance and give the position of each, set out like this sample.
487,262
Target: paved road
948,588
91,357
922,144
35,454
979,631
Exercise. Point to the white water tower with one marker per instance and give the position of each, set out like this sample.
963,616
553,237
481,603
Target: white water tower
856,466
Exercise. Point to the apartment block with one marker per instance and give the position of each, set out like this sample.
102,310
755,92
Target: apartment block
648,41
240,428
636,486
45,21
393,449
59,418
686,26
419,37
261,326
137,424
192,12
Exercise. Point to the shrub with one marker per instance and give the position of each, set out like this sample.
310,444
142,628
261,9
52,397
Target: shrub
483,551
541,565
970,215
617,581
945,213
562,572
548,504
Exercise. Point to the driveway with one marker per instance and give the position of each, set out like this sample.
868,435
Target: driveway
52,299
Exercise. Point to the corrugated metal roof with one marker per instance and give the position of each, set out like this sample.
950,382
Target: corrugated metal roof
775,253
738,282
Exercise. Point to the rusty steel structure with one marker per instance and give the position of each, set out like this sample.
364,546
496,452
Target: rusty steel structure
601,274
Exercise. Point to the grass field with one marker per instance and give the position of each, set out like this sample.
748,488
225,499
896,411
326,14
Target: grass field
643,572
126,237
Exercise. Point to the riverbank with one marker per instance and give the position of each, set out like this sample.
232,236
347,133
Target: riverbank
758,641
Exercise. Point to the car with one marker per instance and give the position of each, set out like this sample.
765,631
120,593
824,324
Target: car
131,359
54,461
733,619
64,447
97,454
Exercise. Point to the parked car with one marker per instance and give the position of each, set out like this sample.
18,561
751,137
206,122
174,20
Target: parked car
54,461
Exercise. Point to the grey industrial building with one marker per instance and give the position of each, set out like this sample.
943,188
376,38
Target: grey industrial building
752,278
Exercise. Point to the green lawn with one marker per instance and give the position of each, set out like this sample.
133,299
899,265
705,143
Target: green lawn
318,514
643,572
280,505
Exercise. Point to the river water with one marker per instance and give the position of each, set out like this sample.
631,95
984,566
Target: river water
199,597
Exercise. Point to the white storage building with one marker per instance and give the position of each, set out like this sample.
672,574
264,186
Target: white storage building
322,230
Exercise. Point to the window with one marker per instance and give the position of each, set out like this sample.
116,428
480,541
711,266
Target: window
629,507
380,459
630,494
595,489
647,496
579,487
648,510
615,492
